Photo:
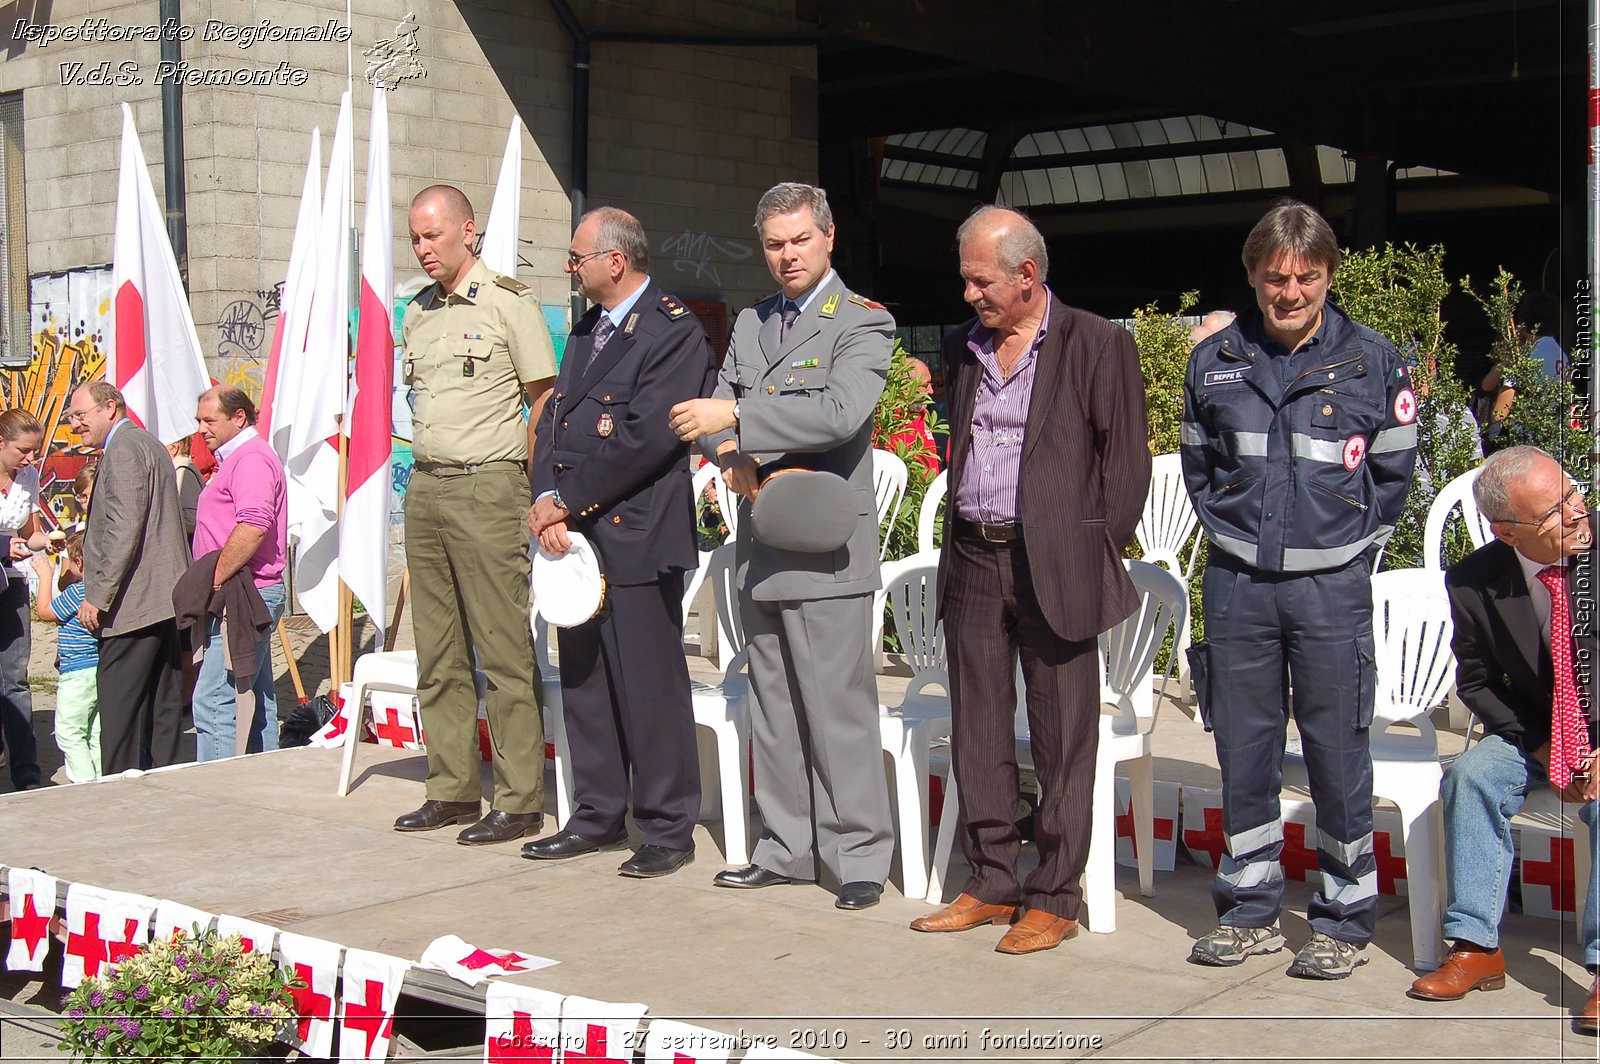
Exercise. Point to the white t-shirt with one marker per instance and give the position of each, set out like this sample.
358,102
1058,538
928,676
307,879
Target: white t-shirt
18,504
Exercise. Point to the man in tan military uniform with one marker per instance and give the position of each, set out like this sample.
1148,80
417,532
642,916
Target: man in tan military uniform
475,343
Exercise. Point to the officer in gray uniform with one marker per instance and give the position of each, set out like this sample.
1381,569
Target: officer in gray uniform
475,344
797,390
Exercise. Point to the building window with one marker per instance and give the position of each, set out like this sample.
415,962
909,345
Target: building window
16,348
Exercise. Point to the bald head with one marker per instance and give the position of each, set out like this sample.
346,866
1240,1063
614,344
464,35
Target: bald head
442,234
452,203
1016,239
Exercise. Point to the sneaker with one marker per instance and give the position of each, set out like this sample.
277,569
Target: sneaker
1228,945
1325,957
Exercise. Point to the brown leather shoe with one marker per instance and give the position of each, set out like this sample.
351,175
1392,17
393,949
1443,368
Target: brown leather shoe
1587,1021
965,913
501,827
1463,971
1037,930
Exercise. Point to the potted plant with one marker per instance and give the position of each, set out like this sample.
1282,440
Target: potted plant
181,998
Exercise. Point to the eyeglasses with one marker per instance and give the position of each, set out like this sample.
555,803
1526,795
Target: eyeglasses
75,416
1572,500
574,260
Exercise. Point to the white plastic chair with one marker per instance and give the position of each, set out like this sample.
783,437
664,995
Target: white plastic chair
555,718
1414,669
928,515
724,709
1128,655
1456,493
1167,526
394,670
908,729
889,487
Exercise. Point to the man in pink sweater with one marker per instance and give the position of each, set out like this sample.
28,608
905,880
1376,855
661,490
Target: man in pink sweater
242,514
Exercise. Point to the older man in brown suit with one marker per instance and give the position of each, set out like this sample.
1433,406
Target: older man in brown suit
134,550
1049,467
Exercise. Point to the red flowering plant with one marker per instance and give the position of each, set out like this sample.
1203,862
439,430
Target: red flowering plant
905,425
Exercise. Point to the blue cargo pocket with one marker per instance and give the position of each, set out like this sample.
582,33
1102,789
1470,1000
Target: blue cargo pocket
1199,656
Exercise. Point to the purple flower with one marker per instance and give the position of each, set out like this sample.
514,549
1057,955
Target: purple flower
256,1010
191,1002
196,977
96,999
166,1014
211,982
222,996
119,996
181,961
76,1014
101,1033
141,992
134,1028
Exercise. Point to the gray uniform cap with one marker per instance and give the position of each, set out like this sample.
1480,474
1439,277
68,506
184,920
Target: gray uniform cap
804,511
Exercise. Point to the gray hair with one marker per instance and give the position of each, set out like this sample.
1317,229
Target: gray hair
1495,477
1020,239
1292,227
620,231
790,196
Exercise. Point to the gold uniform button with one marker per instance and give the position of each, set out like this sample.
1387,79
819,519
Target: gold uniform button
1326,411
607,399
771,389
564,424
616,520
1330,376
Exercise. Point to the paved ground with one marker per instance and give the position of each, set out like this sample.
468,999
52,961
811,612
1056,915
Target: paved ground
266,837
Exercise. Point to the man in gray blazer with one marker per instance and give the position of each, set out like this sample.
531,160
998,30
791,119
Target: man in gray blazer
797,390
133,552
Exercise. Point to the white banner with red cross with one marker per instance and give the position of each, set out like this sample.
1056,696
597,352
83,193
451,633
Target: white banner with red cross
469,964
173,916
368,991
314,963
396,721
103,927
600,1032
671,1042
256,937
1165,810
31,906
1203,836
520,1023
1549,881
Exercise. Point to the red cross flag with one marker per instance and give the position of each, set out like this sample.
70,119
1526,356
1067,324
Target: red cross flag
175,916
368,990
103,927
31,904
1548,881
333,733
1202,825
520,1023
254,935
463,961
314,964
671,1042
396,721
1165,826
600,1032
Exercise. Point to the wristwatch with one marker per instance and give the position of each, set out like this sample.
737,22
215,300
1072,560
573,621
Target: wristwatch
736,411
555,497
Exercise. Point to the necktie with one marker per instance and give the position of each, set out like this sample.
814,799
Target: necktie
1569,732
602,336
790,312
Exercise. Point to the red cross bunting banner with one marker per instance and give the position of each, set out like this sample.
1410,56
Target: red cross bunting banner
333,733
31,904
671,1042
314,964
521,1023
1202,825
368,990
469,964
1165,826
600,1032
175,916
1549,886
103,927
1388,845
256,937
396,721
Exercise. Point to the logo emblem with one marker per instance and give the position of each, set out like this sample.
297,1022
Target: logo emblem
1355,449
606,425
1405,407
829,307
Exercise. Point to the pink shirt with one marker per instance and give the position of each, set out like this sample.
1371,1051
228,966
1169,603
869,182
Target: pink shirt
248,488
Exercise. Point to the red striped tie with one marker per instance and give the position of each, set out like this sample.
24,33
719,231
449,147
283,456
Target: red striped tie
1569,732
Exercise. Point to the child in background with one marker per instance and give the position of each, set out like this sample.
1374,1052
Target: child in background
77,658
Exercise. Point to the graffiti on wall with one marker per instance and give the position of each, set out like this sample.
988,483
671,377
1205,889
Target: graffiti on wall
244,340
697,253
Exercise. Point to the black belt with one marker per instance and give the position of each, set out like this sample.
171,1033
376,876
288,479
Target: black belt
449,469
987,532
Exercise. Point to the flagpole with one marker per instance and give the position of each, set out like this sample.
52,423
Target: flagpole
345,630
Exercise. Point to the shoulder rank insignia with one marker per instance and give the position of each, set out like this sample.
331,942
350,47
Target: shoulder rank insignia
633,319
510,284
472,290
863,301
671,307
830,306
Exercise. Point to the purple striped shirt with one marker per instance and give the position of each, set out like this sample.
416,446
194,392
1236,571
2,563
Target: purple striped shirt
991,474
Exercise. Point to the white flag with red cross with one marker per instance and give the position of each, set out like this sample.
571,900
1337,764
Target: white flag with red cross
520,1023
31,905
600,1032
1388,847
1549,880
1165,826
368,992
255,936
174,916
313,963
103,928
462,961
1203,836
396,721
672,1042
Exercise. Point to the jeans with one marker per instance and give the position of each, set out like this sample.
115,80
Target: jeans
16,701
1482,792
215,707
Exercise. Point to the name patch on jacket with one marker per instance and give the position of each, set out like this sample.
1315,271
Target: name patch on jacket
1224,376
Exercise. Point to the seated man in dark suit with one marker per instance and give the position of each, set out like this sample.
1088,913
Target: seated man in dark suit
1525,656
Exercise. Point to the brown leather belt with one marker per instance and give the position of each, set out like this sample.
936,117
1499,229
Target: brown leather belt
446,469
987,532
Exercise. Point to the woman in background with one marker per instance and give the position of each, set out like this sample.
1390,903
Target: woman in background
21,533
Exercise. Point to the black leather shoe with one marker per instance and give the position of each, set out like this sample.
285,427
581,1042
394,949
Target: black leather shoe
650,861
858,895
750,877
564,844
435,815
501,827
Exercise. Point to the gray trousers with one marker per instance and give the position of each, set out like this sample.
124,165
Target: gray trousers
819,776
